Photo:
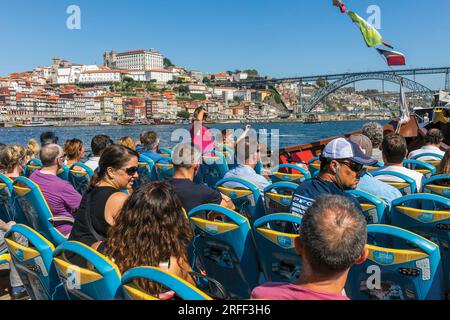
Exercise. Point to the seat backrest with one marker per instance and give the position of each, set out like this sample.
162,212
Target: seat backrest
80,176
132,291
378,165
247,199
289,173
278,197
314,166
63,172
411,270
429,155
276,250
32,255
373,208
5,258
225,249
99,282
420,166
430,185
166,152
146,171
31,166
32,209
164,170
406,186
213,168
6,207
429,216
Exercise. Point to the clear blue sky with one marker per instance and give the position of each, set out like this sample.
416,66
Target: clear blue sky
279,38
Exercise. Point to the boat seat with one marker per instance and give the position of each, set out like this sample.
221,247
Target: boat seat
289,173
80,176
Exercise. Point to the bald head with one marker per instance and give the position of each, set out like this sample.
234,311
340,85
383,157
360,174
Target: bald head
49,154
333,234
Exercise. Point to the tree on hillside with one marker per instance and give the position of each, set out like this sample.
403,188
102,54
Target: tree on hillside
251,72
206,80
183,115
167,63
321,82
183,90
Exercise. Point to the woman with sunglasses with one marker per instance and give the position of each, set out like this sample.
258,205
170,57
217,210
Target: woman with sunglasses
104,199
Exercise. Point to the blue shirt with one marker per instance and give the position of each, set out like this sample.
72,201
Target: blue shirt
246,173
309,190
369,184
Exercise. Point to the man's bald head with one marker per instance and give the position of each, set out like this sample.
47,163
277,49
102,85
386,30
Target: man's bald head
49,154
333,234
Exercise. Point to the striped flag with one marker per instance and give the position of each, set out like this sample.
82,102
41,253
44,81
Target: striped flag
393,58
371,35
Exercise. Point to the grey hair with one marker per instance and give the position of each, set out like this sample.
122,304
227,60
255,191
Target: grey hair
185,155
333,233
374,131
49,153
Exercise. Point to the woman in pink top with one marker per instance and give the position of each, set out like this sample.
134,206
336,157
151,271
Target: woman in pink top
200,134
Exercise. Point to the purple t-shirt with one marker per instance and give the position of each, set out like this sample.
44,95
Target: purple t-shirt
289,291
60,195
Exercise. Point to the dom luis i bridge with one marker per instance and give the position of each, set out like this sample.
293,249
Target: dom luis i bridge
336,81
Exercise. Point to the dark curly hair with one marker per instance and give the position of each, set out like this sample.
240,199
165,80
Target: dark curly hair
150,228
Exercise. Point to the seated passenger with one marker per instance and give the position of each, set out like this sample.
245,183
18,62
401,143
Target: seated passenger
247,156
74,151
61,196
433,141
98,144
48,137
374,131
127,142
444,168
332,238
394,150
160,235
33,148
13,159
186,162
367,182
341,166
150,142
104,199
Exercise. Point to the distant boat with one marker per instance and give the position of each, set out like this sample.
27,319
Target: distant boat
104,123
312,119
33,124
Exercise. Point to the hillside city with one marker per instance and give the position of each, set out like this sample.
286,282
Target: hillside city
143,86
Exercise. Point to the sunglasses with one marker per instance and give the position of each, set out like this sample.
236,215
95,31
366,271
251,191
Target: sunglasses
355,167
131,171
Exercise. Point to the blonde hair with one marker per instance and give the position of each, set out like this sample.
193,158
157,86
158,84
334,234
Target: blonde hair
73,149
11,156
127,142
33,148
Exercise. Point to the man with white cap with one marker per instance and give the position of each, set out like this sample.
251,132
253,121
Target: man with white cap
342,164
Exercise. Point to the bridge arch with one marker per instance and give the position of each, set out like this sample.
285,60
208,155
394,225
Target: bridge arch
390,77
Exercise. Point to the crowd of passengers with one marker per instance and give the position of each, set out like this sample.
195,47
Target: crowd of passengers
147,226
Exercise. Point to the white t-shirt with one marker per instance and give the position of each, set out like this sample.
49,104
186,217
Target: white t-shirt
417,176
426,149
92,163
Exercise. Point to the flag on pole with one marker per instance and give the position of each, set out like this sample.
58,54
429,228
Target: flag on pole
393,58
340,5
371,35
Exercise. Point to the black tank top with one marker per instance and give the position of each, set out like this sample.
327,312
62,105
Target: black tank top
80,231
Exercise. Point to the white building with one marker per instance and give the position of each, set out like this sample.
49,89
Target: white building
239,76
226,93
158,75
101,76
134,59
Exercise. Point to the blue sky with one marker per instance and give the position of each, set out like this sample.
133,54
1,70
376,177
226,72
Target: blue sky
280,38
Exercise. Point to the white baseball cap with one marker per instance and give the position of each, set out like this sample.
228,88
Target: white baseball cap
342,148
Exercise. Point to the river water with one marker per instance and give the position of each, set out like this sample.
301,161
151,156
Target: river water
289,133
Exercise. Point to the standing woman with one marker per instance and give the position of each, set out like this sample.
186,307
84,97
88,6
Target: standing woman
74,151
201,135
104,199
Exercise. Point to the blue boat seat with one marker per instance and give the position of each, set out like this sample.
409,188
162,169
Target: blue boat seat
166,152
429,216
430,185
80,176
406,185
225,250
5,258
432,158
31,166
276,250
164,170
247,198
34,263
424,168
378,165
314,166
6,207
295,174
373,208
99,282
32,210
63,172
182,289
278,197
146,171
213,167
411,271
